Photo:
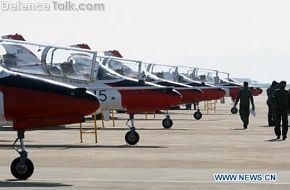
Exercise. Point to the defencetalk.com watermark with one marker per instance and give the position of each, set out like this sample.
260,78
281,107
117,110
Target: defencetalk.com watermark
51,6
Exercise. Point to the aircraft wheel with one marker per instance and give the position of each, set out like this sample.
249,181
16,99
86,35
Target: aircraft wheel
197,115
20,170
132,137
167,123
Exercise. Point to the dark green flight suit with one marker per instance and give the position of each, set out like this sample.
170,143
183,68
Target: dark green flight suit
281,99
271,116
245,96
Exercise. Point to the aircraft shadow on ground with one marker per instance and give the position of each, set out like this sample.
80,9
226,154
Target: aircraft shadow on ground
141,129
111,128
22,184
60,127
91,128
49,146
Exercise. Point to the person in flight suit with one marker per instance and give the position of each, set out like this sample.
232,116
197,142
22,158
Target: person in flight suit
281,99
245,96
270,91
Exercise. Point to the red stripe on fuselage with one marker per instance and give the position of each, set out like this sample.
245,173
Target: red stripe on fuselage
212,94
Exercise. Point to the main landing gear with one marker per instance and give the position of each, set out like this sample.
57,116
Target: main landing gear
167,122
21,168
131,137
197,115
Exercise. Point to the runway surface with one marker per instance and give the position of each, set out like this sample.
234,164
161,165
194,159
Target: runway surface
187,156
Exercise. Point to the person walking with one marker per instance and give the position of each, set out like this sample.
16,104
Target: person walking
245,97
270,91
281,100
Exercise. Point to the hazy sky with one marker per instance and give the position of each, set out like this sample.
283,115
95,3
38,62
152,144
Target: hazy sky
248,38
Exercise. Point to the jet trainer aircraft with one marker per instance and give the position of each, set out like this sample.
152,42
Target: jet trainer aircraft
80,67
136,70
31,102
218,78
198,77
165,75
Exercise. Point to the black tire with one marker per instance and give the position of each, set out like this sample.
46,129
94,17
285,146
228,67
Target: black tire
197,115
234,110
167,123
132,138
21,171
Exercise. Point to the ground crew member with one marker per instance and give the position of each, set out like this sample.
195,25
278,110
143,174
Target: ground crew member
270,91
245,96
281,100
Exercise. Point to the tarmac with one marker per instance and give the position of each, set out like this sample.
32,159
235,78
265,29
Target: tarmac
187,156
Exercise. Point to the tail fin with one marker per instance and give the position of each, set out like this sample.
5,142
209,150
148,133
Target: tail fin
114,53
82,46
14,37
18,55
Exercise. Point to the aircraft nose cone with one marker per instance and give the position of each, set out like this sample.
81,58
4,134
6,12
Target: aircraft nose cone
88,102
260,91
169,97
174,97
190,95
222,92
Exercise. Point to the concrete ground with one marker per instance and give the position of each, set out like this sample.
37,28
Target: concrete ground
184,157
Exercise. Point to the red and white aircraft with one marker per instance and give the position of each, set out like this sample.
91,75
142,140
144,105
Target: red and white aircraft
168,72
80,67
137,69
165,75
31,102
162,74
218,78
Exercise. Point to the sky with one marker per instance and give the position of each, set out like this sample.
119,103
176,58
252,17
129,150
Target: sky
247,38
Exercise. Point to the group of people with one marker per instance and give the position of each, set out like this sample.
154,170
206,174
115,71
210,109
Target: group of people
278,106
278,103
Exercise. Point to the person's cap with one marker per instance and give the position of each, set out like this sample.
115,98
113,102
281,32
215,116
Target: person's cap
246,83
274,82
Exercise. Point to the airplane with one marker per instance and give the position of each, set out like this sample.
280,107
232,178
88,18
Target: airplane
136,69
133,69
203,77
218,78
169,72
80,67
31,102
155,73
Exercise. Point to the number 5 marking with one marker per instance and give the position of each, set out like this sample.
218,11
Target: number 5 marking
102,95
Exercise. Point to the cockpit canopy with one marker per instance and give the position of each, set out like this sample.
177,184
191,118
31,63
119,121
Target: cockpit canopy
70,63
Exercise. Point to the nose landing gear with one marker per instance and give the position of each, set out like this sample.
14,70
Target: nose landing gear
132,137
167,122
197,115
21,168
